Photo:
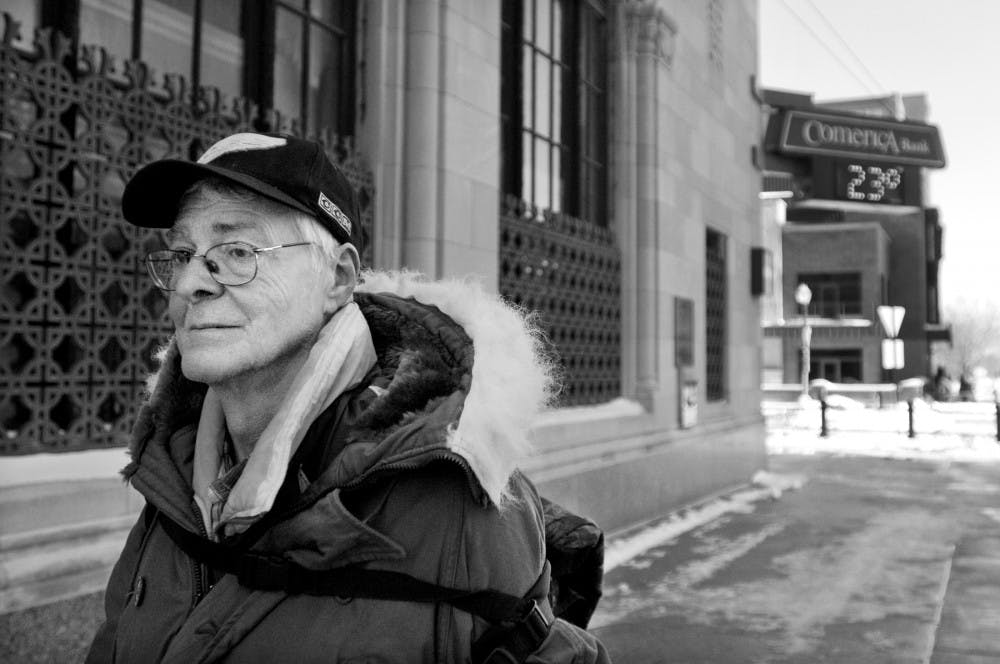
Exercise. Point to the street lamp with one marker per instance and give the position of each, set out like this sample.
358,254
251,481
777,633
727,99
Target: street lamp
803,296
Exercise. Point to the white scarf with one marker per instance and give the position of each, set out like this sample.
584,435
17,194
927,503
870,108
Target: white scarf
341,357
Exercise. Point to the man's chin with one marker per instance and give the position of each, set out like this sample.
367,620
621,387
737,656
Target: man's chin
208,370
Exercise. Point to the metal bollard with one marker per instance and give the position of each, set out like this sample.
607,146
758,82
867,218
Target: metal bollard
909,407
823,431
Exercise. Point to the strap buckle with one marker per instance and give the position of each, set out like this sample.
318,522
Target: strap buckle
522,639
535,624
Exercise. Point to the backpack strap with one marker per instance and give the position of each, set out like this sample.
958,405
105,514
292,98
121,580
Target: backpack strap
518,626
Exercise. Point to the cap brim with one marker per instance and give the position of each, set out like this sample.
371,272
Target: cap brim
151,198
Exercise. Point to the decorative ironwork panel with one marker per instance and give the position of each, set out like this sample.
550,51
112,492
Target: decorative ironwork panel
79,319
569,273
715,316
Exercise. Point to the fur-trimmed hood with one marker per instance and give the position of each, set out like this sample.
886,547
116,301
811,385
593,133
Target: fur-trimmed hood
465,375
510,375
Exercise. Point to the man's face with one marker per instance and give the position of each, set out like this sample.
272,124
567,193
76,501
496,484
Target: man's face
259,331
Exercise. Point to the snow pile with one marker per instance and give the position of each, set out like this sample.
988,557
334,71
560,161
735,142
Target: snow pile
841,402
622,549
776,484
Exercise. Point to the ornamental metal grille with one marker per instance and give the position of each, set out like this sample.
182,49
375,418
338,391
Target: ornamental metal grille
79,318
568,272
715,316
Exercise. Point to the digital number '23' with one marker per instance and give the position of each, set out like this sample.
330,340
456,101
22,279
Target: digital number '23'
870,183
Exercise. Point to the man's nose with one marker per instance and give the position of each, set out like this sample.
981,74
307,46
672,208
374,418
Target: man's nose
195,280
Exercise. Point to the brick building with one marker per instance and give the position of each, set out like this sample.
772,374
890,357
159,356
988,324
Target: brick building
846,206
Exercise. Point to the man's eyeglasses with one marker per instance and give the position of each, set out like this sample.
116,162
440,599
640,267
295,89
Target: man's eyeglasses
229,263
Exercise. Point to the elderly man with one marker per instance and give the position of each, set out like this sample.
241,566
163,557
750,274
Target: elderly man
330,474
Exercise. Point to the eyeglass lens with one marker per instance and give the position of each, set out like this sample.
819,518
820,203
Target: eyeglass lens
230,264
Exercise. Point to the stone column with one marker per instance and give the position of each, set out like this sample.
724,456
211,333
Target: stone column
649,38
421,210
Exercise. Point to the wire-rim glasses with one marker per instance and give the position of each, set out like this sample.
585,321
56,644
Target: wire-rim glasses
229,263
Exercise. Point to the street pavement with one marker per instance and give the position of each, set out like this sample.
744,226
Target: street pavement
871,560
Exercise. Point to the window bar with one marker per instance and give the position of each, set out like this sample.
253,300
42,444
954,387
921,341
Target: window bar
304,76
137,10
196,53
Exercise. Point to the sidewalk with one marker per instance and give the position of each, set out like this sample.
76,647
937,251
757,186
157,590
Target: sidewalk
872,560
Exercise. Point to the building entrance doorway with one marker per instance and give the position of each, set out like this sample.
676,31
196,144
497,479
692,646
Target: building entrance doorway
836,365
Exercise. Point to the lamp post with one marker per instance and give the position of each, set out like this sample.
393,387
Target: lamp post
803,296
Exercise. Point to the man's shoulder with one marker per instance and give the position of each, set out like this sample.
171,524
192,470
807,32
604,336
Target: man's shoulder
434,508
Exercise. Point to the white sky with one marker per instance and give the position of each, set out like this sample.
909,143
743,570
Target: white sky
948,50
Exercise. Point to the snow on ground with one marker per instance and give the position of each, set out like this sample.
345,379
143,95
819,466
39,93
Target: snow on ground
896,445
964,432
766,486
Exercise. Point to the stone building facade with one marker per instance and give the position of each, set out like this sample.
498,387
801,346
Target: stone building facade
591,160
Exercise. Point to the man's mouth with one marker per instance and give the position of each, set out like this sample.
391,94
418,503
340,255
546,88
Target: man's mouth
193,328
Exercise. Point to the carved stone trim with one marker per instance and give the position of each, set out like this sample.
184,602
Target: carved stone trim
650,31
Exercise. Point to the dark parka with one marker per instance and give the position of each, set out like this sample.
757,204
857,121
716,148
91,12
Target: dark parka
385,487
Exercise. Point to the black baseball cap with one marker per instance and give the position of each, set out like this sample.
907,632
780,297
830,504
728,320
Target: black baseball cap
286,169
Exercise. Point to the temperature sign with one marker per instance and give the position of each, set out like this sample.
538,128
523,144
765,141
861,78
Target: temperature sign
870,183
873,183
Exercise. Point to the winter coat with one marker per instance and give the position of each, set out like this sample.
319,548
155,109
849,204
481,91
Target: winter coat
414,472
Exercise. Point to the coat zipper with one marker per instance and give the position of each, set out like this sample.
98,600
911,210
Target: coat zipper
198,569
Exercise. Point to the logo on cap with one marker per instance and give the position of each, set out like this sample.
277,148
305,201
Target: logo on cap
241,143
335,212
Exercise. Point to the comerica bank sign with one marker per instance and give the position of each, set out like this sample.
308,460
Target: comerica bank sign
823,134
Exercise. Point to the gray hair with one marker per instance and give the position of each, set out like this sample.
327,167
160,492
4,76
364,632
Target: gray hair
306,226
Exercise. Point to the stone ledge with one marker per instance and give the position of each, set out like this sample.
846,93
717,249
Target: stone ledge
58,569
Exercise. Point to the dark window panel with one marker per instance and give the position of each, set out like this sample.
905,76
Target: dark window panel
289,64
834,294
715,315
527,86
222,50
29,14
101,25
324,85
835,365
168,36
543,25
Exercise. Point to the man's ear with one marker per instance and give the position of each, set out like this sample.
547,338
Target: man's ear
346,267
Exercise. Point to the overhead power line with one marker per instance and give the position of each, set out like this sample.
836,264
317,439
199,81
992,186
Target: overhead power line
822,42
843,41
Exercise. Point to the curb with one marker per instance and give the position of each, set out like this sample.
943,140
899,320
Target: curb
54,564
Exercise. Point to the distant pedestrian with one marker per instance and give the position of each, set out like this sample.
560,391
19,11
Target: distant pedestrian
942,385
965,389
